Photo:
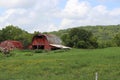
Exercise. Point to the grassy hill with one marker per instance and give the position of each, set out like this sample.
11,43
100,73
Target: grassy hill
103,33
75,64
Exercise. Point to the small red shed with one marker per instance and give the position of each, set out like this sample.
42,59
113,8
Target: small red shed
11,44
46,41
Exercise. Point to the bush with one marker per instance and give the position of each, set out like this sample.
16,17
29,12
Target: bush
80,38
38,51
105,44
29,54
117,39
81,44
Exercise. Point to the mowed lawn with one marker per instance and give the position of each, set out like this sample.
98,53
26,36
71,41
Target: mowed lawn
74,64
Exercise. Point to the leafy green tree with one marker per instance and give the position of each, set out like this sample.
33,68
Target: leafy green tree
11,32
81,44
117,39
1,38
66,40
15,33
80,38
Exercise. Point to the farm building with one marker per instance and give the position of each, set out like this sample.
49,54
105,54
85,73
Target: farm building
46,42
11,44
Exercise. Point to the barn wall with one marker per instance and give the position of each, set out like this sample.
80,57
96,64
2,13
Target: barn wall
43,41
9,44
40,43
17,44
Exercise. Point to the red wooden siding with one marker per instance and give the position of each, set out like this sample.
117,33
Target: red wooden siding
43,41
10,44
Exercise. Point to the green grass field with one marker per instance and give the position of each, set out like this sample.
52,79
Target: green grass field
75,64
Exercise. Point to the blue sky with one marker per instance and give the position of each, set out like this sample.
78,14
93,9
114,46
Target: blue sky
53,15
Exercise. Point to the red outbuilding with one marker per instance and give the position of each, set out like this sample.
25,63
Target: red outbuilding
46,42
11,44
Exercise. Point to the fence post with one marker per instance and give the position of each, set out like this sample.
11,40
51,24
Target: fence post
96,76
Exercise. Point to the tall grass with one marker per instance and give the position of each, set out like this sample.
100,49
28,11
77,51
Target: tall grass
75,64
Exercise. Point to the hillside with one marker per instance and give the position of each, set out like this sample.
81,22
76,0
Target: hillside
75,64
103,33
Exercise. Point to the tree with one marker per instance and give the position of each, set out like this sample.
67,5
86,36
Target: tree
66,40
1,38
11,32
15,33
80,38
117,39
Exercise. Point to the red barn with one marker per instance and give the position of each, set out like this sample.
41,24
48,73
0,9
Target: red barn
10,44
46,41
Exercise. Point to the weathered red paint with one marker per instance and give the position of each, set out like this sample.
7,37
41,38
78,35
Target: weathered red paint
11,44
42,41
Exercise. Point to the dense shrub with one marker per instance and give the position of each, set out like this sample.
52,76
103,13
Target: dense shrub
105,44
117,39
38,51
28,54
80,38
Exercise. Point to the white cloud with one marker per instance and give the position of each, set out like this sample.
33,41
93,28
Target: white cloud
115,12
108,0
82,13
52,27
16,16
48,15
17,3
75,9
30,13
42,27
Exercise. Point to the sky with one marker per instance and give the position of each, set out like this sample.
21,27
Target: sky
53,15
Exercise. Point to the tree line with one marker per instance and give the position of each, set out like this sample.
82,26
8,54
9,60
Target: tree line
15,33
80,37
104,35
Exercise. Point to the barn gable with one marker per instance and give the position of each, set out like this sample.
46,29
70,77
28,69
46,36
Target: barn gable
40,42
45,41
